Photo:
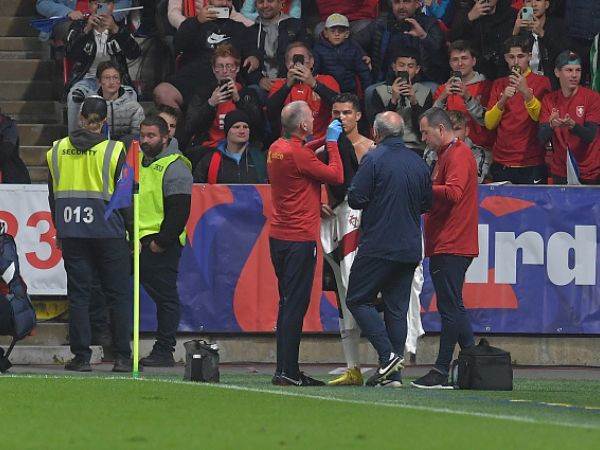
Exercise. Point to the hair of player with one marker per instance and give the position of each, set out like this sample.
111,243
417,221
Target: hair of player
348,97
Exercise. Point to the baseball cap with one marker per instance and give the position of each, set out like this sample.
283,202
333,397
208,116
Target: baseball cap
337,20
567,57
234,117
94,104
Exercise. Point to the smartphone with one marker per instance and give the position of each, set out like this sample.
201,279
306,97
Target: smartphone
298,59
404,26
223,82
527,13
102,9
516,68
222,11
456,76
403,75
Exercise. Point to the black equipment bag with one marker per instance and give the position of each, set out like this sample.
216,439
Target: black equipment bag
483,367
201,361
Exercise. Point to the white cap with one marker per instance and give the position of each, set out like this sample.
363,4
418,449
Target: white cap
337,20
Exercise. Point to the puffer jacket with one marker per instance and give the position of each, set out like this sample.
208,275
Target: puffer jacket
583,18
125,114
81,49
343,62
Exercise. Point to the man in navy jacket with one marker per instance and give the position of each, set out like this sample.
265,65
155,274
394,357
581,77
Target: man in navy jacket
393,188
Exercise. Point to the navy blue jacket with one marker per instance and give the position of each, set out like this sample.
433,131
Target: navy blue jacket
393,188
343,63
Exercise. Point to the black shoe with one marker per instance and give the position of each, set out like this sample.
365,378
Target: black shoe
78,365
158,360
432,380
124,365
384,371
276,379
302,380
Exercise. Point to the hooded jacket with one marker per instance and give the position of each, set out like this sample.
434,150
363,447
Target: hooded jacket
125,114
251,169
343,62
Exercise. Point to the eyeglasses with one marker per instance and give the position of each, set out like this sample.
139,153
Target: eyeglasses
225,67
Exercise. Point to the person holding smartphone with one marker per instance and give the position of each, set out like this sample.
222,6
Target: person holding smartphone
405,96
548,34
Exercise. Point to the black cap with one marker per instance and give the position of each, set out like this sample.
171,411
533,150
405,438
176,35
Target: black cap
234,117
96,105
567,57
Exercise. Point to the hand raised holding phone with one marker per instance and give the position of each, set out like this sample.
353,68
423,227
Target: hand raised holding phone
480,8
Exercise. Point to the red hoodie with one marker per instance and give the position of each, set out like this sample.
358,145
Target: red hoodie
451,224
296,175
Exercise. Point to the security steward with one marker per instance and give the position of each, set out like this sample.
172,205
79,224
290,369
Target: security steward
165,198
84,169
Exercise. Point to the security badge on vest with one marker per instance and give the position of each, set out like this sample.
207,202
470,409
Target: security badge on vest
83,182
151,194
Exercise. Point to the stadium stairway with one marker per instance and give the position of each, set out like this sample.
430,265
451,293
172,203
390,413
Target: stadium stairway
29,85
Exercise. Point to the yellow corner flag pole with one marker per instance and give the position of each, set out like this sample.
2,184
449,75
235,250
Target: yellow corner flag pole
136,262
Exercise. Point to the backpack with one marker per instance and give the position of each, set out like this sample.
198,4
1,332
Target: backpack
201,361
482,367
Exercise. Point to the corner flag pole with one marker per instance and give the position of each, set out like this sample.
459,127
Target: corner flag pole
136,261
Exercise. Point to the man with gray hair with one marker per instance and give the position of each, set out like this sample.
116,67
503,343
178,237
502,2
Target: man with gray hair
296,176
393,188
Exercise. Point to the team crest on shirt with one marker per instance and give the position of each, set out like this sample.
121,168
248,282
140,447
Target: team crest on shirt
580,111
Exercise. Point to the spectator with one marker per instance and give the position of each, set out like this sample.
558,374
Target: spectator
12,167
338,56
214,99
235,160
570,117
360,13
74,10
439,9
548,34
124,112
483,156
175,13
171,116
408,98
408,28
468,92
317,91
90,42
583,23
513,110
196,40
275,31
486,24
251,8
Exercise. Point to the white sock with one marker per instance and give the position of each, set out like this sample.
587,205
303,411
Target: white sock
350,341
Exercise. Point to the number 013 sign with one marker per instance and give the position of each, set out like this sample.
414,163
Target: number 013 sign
25,211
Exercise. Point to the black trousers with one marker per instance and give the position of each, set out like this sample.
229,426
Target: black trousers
109,260
158,275
294,264
520,175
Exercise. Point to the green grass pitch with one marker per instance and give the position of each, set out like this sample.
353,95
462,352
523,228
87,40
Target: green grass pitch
247,412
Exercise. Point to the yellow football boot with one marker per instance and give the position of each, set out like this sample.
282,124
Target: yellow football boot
351,377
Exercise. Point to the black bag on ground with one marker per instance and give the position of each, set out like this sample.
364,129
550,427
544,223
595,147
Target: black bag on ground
201,361
483,367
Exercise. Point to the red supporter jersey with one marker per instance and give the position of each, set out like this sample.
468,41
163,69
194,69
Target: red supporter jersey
451,224
582,107
296,175
300,91
479,134
516,136
215,132
352,9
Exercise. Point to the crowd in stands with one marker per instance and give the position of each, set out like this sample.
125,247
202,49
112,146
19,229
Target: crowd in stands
514,73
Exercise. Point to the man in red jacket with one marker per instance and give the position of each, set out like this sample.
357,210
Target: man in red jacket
513,111
450,238
296,176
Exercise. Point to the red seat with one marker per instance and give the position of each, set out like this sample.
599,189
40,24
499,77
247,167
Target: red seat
67,69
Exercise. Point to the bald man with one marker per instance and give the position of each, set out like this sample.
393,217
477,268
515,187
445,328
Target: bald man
392,187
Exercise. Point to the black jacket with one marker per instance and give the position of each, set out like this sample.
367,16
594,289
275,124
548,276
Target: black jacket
252,168
583,18
12,167
200,115
487,35
81,49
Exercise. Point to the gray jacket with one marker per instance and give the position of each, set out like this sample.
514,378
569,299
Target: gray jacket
125,115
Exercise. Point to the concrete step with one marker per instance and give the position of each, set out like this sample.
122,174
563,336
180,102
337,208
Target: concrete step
46,333
34,155
40,134
21,44
38,174
49,354
27,90
33,111
26,69
17,27
12,8
12,55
